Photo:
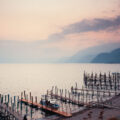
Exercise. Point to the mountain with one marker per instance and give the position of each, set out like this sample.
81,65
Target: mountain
87,55
112,57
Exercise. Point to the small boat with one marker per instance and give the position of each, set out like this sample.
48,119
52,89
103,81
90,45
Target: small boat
47,101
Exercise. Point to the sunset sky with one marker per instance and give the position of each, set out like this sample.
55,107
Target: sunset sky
47,29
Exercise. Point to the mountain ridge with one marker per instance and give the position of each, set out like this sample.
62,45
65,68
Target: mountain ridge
111,57
87,55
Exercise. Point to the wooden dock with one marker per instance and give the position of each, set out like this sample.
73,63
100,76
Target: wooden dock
62,113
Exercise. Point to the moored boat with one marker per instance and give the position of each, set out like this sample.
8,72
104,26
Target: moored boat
47,101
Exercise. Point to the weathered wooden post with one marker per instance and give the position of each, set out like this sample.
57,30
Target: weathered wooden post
92,94
110,83
21,107
18,103
115,84
31,111
76,88
65,94
62,93
52,91
66,107
21,95
78,98
30,96
26,105
85,79
97,96
72,89
83,94
27,97
14,100
86,95
69,96
8,98
55,91
24,94
36,99
100,80
105,81
2,99
32,100
47,93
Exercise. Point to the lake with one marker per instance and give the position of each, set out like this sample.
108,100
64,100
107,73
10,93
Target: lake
37,78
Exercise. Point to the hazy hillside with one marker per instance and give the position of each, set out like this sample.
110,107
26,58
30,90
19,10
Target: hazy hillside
87,55
112,57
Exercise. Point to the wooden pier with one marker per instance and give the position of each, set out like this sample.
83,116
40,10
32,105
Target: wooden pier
98,88
104,81
62,113
96,91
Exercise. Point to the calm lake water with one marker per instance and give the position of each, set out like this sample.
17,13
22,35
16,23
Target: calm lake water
37,78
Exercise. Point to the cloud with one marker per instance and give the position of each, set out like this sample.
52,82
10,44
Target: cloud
96,24
85,26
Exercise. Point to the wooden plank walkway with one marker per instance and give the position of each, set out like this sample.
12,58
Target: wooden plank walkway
10,111
62,113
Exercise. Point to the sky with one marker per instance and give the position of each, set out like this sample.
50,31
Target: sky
51,29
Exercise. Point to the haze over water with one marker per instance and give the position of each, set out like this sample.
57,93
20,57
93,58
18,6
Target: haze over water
37,78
